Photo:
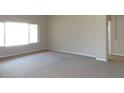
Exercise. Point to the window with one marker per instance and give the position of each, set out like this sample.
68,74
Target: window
1,34
33,33
15,34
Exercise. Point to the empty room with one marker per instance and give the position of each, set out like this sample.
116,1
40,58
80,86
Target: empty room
61,46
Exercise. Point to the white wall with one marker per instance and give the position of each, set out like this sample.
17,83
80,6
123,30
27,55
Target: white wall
101,38
73,34
86,35
41,20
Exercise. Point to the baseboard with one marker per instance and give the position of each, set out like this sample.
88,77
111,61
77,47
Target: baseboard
22,53
117,54
100,59
73,53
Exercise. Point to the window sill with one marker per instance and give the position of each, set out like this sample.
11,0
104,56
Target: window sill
19,45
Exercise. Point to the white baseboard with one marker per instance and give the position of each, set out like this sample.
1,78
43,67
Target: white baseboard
100,59
73,53
9,55
117,54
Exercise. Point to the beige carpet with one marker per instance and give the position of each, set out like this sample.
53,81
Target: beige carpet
51,64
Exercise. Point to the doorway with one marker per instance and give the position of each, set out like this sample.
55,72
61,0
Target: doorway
115,38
